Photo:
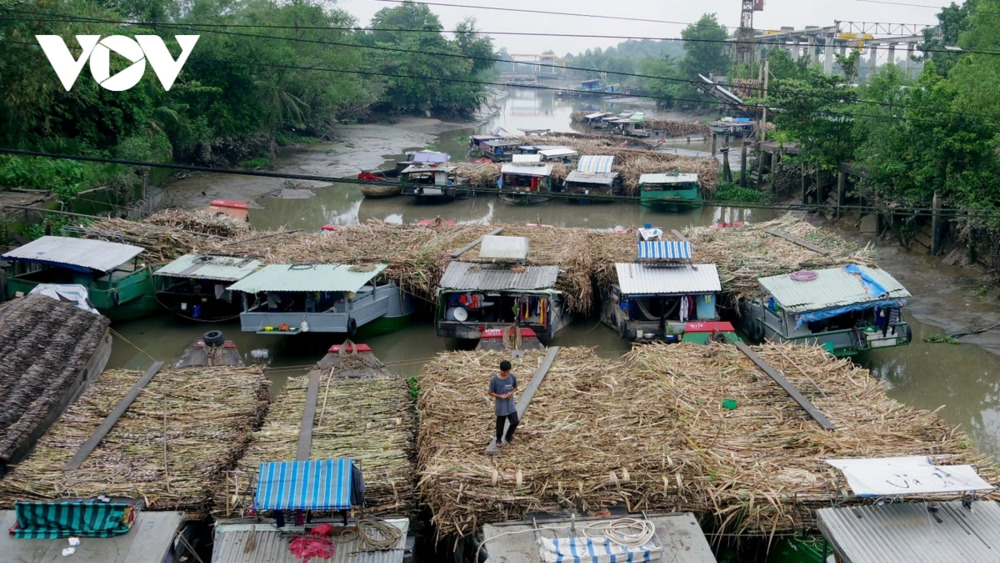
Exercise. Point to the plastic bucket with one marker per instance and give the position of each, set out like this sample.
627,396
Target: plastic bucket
456,314
196,311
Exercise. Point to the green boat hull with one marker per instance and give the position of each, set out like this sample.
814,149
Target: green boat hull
677,199
125,299
384,325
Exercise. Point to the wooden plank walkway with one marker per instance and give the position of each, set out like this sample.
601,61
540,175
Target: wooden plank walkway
109,422
308,416
798,241
787,386
529,393
462,250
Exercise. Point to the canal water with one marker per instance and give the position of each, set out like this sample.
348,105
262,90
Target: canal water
965,378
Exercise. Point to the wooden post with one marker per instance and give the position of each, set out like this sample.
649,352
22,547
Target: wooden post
802,181
841,186
760,165
714,137
772,169
936,224
810,409
743,165
820,193
727,173
879,224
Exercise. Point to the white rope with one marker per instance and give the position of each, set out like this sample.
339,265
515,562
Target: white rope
626,532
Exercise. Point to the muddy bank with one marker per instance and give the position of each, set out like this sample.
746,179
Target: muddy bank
355,147
954,298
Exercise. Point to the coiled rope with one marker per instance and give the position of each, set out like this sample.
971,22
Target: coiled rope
626,532
378,535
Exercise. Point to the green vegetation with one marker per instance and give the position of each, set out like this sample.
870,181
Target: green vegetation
243,91
731,191
413,382
256,163
941,338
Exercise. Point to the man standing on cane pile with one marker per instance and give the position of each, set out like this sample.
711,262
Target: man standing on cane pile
502,387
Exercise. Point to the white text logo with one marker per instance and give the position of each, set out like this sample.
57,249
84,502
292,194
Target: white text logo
139,50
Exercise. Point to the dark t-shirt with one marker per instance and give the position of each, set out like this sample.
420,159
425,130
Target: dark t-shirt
502,386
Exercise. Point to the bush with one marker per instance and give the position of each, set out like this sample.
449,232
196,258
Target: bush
731,191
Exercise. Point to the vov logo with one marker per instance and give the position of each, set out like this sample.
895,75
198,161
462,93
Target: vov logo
98,51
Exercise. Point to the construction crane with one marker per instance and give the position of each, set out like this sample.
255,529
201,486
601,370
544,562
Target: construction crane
743,53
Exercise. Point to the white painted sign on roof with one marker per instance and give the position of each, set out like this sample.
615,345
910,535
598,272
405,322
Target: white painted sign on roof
496,247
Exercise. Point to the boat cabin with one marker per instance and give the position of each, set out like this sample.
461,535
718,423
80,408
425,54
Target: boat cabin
527,180
195,286
500,150
596,120
846,310
564,155
591,184
474,297
118,282
655,302
295,298
630,125
671,190
432,181
734,127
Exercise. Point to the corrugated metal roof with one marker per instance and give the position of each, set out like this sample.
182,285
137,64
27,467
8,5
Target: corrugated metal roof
602,178
667,178
905,532
557,152
431,156
495,247
85,253
641,279
307,277
466,275
833,287
663,250
223,268
527,170
514,542
595,163
526,158
427,168
595,115
501,143
269,546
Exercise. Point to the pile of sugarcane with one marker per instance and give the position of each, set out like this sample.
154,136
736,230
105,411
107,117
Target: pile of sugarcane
652,432
363,412
170,447
202,221
669,127
45,344
744,254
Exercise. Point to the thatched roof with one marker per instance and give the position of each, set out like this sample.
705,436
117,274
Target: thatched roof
170,447
363,412
649,432
45,345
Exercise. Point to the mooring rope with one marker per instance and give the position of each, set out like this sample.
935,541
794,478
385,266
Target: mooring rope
386,536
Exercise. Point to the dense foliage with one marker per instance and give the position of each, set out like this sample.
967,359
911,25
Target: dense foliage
939,131
261,70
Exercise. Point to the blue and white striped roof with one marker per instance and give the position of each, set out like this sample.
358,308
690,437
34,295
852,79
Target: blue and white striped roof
323,484
595,163
664,250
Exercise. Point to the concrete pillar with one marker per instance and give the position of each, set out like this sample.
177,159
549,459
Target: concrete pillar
828,56
813,49
873,62
796,50
909,59
892,53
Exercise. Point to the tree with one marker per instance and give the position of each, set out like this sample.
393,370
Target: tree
704,45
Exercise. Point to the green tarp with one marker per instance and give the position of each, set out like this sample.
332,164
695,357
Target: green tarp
76,518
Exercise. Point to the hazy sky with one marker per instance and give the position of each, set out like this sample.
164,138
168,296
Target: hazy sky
777,13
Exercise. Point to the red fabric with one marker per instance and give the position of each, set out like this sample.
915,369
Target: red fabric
322,529
308,547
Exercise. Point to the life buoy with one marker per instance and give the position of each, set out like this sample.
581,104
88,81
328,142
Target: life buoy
720,338
758,331
352,326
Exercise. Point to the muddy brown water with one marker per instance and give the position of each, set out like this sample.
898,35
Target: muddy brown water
964,377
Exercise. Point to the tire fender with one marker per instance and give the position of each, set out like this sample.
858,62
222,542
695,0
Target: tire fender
352,326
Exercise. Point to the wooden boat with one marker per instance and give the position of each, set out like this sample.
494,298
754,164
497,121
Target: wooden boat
236,209
376,184
434,182
297,298
212,350
594,178
526,181
118,283
670,191
500,339
194,286
842,309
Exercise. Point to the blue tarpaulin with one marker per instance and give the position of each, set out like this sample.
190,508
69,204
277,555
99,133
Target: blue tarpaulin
813,316
874,289
305,485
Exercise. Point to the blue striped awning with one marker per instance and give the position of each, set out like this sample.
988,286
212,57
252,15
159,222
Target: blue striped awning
595,163
323,484
664,250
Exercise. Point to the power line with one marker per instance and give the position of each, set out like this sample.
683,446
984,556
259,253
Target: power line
915,211
903,4
544,12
